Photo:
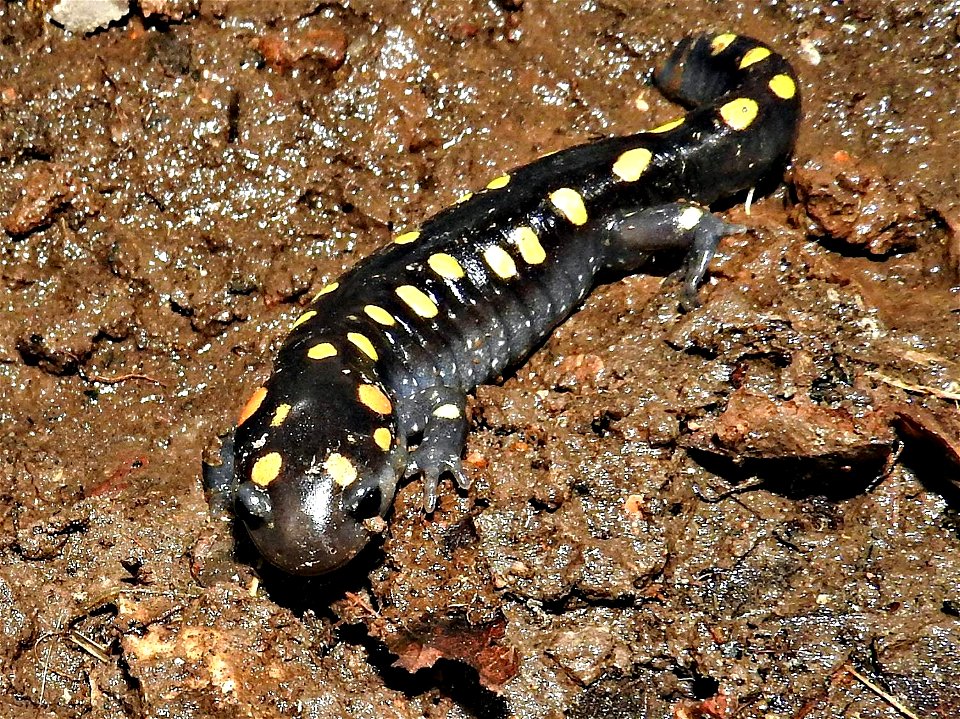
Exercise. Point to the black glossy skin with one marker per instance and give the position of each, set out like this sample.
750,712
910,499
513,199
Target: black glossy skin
303,521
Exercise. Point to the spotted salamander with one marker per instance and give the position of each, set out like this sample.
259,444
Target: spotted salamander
371,383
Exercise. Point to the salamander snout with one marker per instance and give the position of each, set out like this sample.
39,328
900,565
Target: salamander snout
306,527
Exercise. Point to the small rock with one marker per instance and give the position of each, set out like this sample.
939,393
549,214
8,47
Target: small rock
88,15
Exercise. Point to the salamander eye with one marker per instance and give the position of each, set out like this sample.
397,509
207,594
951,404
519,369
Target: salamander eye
254,501
366,504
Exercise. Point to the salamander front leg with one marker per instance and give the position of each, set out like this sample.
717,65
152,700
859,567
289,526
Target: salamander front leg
220,482
629,237
444,434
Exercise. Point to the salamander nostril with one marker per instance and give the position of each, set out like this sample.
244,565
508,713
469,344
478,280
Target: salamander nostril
254,502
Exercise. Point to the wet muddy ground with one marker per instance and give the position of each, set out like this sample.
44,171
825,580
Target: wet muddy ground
750,510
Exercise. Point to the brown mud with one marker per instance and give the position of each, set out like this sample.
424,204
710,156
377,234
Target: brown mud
750,510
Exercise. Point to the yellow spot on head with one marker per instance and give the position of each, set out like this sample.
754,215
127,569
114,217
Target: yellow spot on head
407,237
721,43
309,314
445,265
500,261
266,469
279,415
529,245
322,351
754,55
633,163
667,126
363,344
383,438
464,197
740,113
417,301
783,86
447,411
325,291
689,218
379,315
569,204
497,182
340,469
252,405
373,397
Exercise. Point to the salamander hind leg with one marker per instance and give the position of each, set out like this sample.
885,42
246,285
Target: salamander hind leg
630,236
439,414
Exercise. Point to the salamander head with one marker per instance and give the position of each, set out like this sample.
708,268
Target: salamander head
311,467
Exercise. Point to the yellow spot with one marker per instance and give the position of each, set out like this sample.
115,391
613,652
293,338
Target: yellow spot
783,86
325,291
739,113
721,43
417,301
322,351
445,265
303,318
374,398
633,163
500,262
383,438
529,245
689,218
266,469
464,197
569,204
447,411
340,469
379,315
252,405
406,238
667,126
279,415
754,55
497,182
363,344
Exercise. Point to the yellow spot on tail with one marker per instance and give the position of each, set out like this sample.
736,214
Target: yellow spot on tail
447,411
266,469
689,218
500,261
529,245
753,56
569,204
406,238
373,397
464,197
383,438
252,405
309,314
740,113
417,301
783,86
497,182
633,163
445,265
667,126
340,469
325,291
322,351
362,343
721,43
379,315
279,415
